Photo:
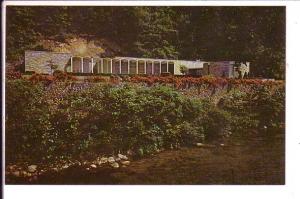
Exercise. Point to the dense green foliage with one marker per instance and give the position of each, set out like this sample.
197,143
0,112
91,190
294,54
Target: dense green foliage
255,34
261,108
58,121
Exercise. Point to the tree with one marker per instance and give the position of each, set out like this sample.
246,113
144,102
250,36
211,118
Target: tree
20,31
156,35
183,69
254,34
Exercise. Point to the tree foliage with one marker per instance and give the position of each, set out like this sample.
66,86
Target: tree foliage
255,34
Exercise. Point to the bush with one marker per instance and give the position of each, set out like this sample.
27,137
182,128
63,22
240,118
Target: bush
215,122
55,122
24,119
239,105
59,123
262,107
96,79
269,104
13,75
62,76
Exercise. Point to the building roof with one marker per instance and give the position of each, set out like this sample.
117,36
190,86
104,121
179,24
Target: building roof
44,51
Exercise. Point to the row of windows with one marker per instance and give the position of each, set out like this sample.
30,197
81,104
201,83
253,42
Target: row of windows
88,65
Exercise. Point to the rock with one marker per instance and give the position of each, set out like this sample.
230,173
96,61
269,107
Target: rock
115,165
123,157
55,169
65,166
200,144
85,163
111,159
126,163
222,144
12,167
32,168
99,162
130,152
93,166
103,160
117,159
88,169
24,173
16,173
205,145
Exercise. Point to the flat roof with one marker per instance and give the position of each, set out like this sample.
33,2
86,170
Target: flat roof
44,51
154,59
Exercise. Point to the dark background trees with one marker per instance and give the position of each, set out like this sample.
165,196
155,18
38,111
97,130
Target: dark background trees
255,34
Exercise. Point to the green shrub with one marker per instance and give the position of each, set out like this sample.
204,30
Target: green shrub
185,134
272,104
262,107
25,121
140,118
215,122
58,123
239,105
269,104
54,122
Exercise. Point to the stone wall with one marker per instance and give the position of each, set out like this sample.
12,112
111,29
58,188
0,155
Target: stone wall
229,69
39,61
222,69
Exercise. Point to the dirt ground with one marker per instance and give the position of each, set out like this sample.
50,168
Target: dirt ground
250,162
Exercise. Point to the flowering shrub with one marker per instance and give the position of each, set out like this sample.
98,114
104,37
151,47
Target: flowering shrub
36,78
114,79
185,82
48,79
179,82
13,75
63,76
96,79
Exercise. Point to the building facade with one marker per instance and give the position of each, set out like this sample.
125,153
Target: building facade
229,69
43,62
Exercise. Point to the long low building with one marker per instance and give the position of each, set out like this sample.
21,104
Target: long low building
46,62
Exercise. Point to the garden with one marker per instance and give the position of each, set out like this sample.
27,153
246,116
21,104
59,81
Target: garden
53,123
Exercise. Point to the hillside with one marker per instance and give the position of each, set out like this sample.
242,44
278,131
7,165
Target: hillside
80,46
254,34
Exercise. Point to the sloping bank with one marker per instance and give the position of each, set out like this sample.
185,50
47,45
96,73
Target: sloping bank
53,126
